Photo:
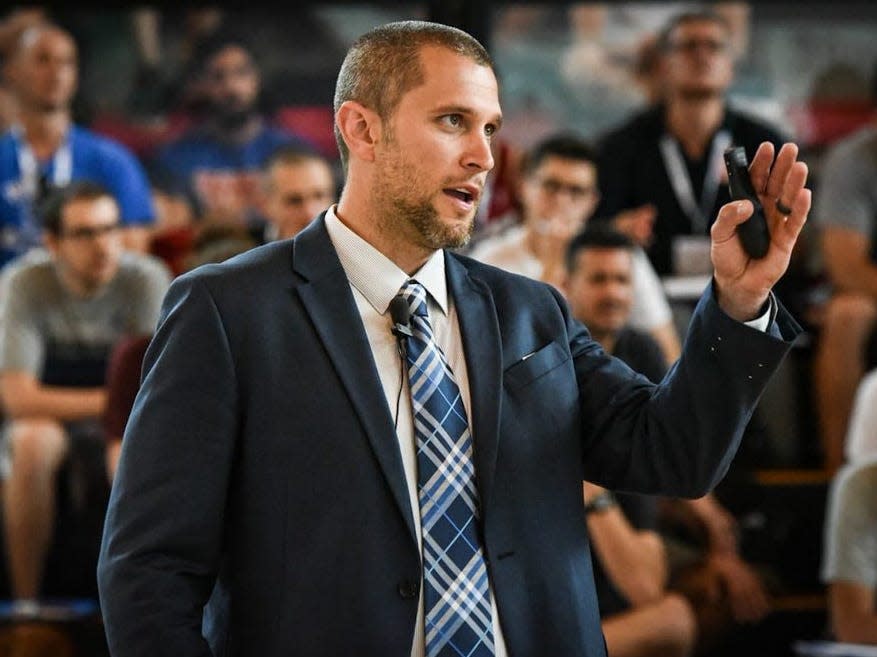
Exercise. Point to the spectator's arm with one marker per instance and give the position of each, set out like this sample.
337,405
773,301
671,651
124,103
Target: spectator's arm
114,449
846,253
668,339
852,611
719,525
24,396
635,561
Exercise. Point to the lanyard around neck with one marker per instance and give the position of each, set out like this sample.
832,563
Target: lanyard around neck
680,179
29,167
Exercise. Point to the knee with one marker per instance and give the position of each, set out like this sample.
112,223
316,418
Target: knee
681,625
849,312
37,446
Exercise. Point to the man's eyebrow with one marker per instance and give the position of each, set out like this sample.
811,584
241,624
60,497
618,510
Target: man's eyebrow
468,111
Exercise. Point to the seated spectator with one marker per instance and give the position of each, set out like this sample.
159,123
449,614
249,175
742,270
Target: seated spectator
296,186
599,289
845,214
849,567
45,149
639,617
664,164
216,161
558,195
62,311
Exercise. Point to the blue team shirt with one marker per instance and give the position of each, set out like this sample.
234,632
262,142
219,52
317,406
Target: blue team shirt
201,167
93,157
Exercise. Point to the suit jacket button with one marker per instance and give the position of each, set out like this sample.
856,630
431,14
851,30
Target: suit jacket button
408,589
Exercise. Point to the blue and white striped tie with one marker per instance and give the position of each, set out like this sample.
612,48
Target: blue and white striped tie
456,597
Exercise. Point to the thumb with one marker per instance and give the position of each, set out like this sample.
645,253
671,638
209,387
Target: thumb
730,216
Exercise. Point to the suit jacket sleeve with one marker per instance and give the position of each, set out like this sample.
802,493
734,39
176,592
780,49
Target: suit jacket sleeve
164,529
677,438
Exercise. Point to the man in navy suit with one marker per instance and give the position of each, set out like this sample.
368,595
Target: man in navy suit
266,503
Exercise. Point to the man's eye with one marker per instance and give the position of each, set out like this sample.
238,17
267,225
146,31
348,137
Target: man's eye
453,120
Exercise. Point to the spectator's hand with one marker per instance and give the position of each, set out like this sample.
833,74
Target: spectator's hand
743,283
637,223
747,596
718,523
548,243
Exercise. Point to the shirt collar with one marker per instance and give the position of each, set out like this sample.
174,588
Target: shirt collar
377,277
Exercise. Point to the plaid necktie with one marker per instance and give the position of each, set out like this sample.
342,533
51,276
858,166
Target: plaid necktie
456,597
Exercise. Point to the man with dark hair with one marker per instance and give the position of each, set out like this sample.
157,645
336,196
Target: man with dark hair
45,149
278,494
61,313
665,163
639,616
599,290
216,162
558,193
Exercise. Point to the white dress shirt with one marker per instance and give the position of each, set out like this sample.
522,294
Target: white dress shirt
375,280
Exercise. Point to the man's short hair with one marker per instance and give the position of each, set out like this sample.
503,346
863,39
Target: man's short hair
292,155
564,145
665,36
52,209
596,236
208,47
384,63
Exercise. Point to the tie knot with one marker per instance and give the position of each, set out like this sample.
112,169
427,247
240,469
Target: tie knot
415,294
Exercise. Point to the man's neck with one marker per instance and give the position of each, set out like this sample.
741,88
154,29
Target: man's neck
606,339
73,285
44,131
693,122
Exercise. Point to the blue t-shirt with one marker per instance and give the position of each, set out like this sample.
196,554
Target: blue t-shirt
91,157
214,174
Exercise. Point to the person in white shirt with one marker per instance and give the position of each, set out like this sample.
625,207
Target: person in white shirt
558,195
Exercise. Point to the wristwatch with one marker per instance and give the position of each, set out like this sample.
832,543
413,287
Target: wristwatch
600,502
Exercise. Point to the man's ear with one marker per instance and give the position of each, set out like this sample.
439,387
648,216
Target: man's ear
50,241
360,128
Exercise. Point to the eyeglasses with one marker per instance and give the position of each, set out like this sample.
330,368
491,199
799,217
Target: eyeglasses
554,186
89,233
690,46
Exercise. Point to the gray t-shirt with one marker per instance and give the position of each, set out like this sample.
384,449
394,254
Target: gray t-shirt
847,195
63,339
851,527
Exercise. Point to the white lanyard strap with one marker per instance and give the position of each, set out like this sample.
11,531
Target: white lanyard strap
681,181
62,161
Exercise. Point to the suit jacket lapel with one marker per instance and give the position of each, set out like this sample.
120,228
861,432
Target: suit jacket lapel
479,328
328,299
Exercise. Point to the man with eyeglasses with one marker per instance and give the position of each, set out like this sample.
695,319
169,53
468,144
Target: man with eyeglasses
62,311
558,195
664,165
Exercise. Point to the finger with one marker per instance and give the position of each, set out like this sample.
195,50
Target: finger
795,181
759,168
730,216
780,170
785,232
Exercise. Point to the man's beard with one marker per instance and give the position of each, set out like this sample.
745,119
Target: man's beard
232,119
434,234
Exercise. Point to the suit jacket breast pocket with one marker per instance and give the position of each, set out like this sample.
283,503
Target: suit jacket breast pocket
535,365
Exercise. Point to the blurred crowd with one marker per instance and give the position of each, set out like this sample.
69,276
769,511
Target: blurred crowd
99,211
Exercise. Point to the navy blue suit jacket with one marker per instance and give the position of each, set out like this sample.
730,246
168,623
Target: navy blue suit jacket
260,469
